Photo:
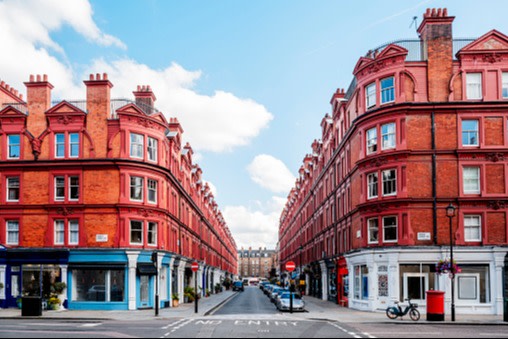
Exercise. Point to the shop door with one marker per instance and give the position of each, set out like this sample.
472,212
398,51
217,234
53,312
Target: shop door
145,291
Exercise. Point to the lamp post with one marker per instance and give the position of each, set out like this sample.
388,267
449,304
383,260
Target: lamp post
450,213
301,270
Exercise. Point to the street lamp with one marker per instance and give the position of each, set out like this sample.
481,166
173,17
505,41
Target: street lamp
450,213
301,268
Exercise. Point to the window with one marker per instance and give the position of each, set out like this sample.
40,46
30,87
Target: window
59,232
74,145
152,234
152,191
388,136
137,188
505,86
474,86
361,283
470,133
59,188
14,146
136,232
372,140
12,232
472,228
471,180
152,149
74,188
13,189
373,225
73,232
387,90
137,145
390,229
389,182
370,95
93,285
60,145
372,185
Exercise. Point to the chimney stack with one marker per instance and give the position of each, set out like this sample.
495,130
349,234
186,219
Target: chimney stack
98,105
145,99
436,35
38,91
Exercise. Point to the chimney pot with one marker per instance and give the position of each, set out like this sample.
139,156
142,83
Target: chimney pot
104,76
32,78
97,76
45,77
38,78
440,12
92,77
7,87
434,13
21,96
445,12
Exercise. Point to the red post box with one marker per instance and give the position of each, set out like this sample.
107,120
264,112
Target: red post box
435,306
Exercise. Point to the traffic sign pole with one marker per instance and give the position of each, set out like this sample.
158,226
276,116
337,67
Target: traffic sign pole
290,267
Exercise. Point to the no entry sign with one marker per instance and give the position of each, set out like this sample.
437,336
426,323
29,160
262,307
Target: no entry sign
195,267
290,266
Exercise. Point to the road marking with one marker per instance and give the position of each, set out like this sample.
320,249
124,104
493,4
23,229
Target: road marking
91,325
353,334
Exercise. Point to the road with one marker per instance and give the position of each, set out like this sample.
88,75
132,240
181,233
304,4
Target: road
248,315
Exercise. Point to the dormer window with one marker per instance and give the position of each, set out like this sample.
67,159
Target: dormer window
14,146
474,86
505,85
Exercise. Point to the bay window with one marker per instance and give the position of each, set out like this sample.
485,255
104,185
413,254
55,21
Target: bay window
390,229
370,95
372,185
387,90
137,147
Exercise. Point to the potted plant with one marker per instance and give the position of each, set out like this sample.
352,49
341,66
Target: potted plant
207,293
54,303
176,299
447,267
189,294
58,288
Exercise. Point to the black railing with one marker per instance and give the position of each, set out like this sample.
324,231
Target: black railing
79,104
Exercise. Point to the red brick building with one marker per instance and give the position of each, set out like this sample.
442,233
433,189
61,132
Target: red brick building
423,125
91,189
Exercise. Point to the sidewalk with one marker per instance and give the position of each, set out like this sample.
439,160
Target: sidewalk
206,305
320,309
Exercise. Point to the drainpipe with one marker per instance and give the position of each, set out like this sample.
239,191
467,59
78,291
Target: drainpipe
434,179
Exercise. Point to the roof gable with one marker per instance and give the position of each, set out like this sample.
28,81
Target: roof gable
493,40
64,107
11,112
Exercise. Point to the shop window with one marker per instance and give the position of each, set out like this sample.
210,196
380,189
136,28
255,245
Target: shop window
37,276
415,280
361,283
473,285
98,285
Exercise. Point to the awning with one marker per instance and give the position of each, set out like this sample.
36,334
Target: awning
146,269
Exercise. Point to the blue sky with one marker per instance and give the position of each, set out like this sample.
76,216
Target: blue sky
249,80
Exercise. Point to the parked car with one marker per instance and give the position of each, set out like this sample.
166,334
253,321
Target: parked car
96,293
274,293
263,285
238,286
298,303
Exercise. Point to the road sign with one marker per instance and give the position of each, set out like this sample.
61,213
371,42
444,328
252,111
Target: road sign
290,266
195,267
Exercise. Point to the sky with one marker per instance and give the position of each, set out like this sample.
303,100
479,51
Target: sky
250,81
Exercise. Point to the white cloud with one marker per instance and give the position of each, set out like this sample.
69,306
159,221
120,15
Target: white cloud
255,226
271,173
216,123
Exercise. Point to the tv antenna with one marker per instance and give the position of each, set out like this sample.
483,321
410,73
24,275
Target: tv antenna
414,22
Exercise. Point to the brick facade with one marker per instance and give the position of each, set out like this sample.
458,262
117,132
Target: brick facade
365,214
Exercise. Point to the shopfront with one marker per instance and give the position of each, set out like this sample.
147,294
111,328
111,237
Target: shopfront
342,282
332,280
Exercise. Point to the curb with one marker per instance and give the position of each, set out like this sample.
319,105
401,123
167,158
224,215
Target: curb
216,307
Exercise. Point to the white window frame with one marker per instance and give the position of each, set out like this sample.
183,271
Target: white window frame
391,182
59,143
504,89
71,186
474,86
390,90
372,185
371,137
11,187
137,145
153,190
370,95
369,228
475,132
152,149
153,232
59,232
396,229
458,278
12,230
73,231
131,186
388,136
471,179
11,145
478,226
57,197
71,144
142,232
